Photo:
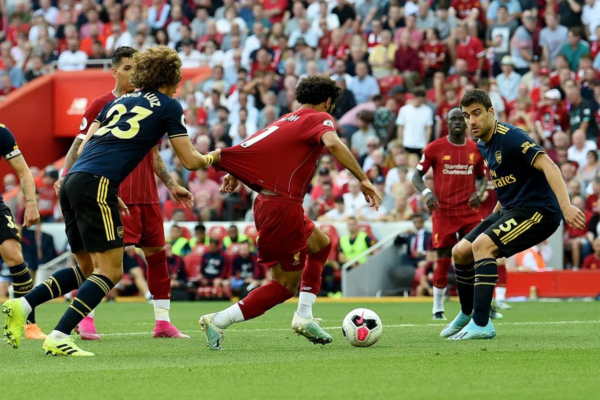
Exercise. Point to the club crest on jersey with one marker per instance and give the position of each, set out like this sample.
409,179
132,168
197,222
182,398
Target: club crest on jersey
84,123
446,158
499,157
297,258
120,231
471,158
328,122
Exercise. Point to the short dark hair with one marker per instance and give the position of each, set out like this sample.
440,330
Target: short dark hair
214,241
340,199
420,92
576,31
327,183
121,53
476,96
317,89
418,216
233,226
502,6
200,228
455,107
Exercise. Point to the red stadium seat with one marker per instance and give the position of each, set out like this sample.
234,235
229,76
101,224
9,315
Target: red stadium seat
251,232
330,231
192,265
386,84
367,229
217,232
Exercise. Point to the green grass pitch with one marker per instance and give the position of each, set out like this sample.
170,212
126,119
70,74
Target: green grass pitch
542,351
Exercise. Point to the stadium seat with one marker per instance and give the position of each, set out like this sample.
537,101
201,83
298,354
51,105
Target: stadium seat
217,232
192,264
367,229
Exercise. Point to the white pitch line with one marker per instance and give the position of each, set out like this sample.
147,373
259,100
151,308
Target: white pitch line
385,326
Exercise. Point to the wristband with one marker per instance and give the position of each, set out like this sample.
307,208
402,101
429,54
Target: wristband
426,192
209,160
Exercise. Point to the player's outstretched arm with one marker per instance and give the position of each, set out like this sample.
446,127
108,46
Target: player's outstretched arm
179,193
341,153
430,198
189,157
70,159
573,215
32,215
93,128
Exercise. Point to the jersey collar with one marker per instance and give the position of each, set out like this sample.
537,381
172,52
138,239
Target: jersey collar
454,144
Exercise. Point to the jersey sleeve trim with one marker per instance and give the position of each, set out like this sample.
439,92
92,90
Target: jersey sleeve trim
537,154
176,135
81,136
13,154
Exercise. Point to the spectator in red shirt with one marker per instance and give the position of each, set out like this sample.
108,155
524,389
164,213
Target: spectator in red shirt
591,204
576,242
593,260
406,62
47,194
470,11
433,53
6,87
15,27
262,64
471,50
274,9
337,48
450,101
416,35
550,115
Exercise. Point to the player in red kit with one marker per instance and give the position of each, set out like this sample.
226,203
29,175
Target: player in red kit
457,165
144,226
279,163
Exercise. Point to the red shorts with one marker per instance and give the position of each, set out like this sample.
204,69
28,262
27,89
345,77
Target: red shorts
445,229
282,232
144,226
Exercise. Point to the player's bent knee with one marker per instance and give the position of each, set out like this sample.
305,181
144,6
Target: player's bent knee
317,241
483,246
11,252
462,253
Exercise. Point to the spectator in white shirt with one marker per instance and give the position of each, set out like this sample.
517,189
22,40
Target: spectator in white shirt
338,213
190,57
363,85
580,148
508,81
72,59
243,101
310,37
49,12
415,121
117,39
333,21
354,199
237,134
339,69
590,17
252,42
158,14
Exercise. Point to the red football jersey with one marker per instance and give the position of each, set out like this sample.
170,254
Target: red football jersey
139,187
432,52
465,8
454,170
471,51
591,262
282,157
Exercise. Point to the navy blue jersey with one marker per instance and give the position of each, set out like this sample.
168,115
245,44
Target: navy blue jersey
129,127
509,155
213,266
8,149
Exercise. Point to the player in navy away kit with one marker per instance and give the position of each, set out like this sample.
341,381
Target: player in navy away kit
532,199
125,131
10,237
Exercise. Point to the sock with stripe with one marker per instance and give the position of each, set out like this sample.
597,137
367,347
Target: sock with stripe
59,284
22,284
88,297
486,277
440,281
465,277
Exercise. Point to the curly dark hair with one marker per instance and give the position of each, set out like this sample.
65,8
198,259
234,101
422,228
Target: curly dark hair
476,96
317,89
156,67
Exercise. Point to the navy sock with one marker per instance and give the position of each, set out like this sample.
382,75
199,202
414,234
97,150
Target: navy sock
22,284
59,284
486,277
88,297
465,277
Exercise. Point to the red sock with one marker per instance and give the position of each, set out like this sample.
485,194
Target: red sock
440,274
263,299
158,276
313,270
502,277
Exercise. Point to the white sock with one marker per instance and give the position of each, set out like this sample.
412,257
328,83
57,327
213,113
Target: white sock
57,335
438,299
305,304
161,310
500,293
229,316
26,306
91,314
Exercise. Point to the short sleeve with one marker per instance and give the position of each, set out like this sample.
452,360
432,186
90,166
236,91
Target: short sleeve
401,119
518,144
173,120
427,160
8,144
429,121
322,122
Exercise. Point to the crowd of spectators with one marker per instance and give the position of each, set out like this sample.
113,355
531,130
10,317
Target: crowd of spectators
401,64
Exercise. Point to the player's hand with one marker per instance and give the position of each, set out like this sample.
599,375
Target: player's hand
474,200
371,195
432,202
183,196
123,208
574,217
216,155
57,186
32,215
229,184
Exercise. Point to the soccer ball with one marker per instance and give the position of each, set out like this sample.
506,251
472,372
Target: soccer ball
362,327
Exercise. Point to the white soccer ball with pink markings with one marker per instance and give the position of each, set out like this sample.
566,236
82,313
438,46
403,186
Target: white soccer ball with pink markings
362,327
